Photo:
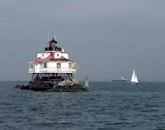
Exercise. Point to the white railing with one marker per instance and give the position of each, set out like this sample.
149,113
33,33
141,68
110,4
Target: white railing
53,70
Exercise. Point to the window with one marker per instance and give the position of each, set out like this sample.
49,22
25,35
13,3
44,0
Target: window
45,65
57,55
31,65
58,65
70,65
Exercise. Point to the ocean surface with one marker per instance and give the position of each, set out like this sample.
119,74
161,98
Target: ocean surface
104,107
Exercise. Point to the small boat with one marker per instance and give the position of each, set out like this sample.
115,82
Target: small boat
134,79
119,81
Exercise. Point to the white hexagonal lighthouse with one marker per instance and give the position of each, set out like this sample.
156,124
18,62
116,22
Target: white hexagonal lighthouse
53,64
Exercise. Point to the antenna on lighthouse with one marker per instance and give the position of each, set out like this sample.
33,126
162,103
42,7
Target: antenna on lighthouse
55,37
48,34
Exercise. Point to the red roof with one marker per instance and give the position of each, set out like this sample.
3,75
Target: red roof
50,58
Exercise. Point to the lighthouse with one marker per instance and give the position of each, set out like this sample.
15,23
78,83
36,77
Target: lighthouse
53,70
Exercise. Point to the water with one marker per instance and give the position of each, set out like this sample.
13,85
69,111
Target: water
104,107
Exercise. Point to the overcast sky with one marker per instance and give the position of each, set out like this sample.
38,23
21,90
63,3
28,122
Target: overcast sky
107,38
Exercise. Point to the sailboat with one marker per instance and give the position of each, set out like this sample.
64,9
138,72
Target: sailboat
134,79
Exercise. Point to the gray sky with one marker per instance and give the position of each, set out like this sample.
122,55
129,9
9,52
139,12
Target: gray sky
107,38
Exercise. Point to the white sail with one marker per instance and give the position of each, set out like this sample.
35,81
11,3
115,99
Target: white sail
134,78
86,82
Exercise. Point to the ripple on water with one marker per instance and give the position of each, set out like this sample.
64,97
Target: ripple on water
102,108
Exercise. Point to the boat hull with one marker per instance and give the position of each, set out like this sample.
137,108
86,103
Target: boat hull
134,84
